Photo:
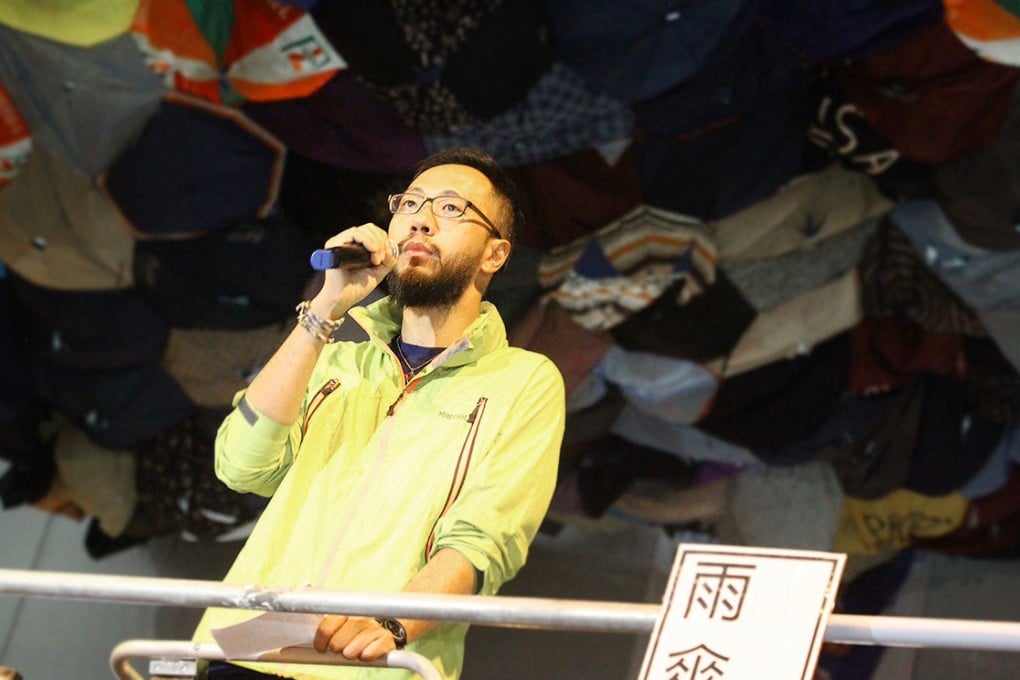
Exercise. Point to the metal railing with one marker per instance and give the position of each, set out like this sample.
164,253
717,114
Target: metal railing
177,650
500,611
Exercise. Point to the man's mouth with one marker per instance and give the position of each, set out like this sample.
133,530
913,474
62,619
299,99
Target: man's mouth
417,249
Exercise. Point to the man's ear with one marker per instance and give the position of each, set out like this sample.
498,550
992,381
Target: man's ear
497,252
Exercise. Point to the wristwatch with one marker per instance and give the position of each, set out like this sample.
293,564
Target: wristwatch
394,628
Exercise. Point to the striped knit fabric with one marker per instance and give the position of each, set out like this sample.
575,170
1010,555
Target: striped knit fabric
643,253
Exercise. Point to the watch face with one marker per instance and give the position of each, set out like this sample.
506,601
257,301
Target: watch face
396,629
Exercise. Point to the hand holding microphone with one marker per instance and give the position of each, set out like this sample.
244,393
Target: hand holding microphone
352,256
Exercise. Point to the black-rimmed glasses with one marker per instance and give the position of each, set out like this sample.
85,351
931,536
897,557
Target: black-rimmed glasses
442,206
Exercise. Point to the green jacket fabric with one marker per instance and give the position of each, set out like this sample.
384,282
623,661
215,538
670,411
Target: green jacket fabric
378,475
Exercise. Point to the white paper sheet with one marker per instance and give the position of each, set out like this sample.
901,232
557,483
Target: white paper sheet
267,632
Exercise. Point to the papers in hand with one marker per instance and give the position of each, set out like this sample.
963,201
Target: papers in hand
266,632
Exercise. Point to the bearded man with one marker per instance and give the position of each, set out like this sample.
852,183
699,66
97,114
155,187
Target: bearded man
421,460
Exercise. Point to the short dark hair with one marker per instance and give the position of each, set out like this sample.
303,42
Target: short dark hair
503,184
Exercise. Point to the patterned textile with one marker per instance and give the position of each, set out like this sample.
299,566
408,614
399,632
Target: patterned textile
177,488
257,50
441,65
560,115
896,282
627,264
435,30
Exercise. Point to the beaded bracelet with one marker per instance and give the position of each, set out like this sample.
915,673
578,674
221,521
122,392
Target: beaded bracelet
321,329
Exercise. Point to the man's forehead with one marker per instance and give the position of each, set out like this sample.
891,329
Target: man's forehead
451,180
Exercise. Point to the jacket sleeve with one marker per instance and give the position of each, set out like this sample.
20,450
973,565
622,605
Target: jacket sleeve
507,493
253,453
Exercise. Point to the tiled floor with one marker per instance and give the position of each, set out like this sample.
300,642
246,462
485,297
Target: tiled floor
50,639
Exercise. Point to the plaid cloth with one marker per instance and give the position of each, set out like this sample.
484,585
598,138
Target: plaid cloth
559,116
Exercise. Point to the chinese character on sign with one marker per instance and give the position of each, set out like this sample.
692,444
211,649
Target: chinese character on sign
719,590
696,663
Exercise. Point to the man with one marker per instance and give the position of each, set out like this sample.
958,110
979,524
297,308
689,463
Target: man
421,460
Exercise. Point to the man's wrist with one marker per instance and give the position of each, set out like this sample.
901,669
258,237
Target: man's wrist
320,328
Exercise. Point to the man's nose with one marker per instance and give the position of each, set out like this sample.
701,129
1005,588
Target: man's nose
424,220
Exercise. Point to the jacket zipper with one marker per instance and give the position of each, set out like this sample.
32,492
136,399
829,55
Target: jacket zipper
327,389
467,449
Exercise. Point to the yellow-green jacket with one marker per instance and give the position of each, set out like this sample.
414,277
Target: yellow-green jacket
359,484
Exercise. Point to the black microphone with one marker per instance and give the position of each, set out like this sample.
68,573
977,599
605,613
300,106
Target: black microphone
347,256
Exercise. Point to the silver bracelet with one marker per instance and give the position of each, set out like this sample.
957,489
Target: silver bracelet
321,329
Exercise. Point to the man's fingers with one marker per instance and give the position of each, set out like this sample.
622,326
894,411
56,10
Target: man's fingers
326,630
369,645
347,635
353,637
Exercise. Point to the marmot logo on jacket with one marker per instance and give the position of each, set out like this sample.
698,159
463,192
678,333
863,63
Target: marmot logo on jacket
454,416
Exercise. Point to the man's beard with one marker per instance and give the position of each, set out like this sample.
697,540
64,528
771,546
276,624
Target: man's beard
416,288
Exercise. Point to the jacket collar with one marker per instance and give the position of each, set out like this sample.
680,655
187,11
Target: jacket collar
487,333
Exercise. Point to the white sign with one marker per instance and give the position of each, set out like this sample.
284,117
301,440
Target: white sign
740,613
